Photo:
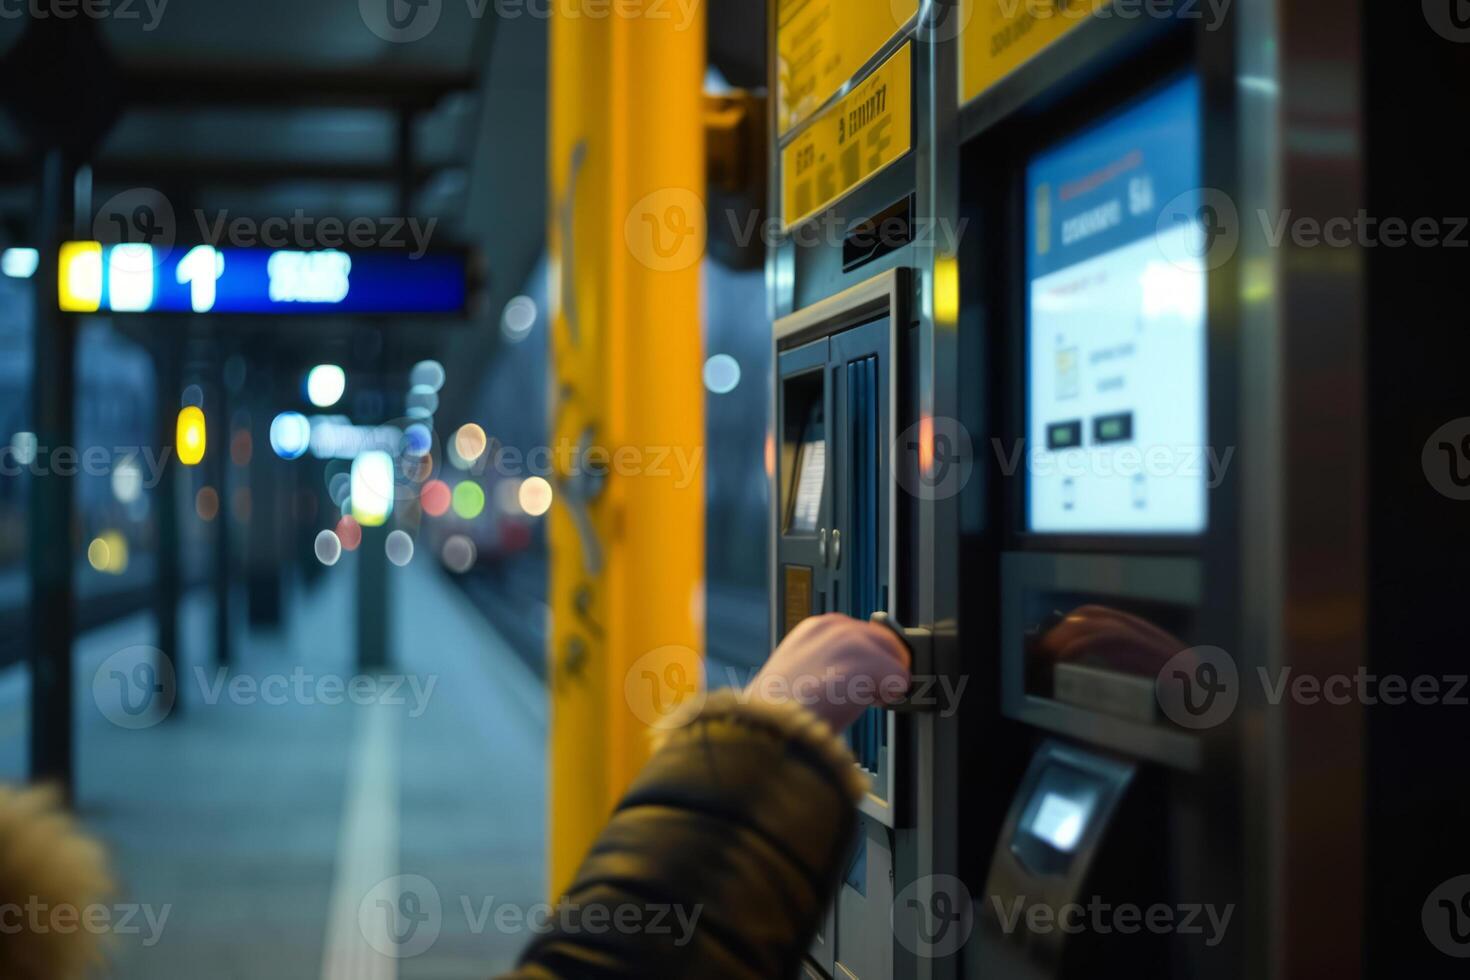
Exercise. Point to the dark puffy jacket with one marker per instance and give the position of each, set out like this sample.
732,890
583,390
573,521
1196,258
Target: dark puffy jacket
722,858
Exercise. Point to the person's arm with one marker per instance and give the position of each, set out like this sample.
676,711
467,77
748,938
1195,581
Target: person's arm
726,852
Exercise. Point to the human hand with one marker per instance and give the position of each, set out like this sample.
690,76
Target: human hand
836,667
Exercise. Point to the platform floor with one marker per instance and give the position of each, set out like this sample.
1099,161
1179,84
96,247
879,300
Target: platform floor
267,831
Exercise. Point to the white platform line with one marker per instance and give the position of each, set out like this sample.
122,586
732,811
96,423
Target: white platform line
367,853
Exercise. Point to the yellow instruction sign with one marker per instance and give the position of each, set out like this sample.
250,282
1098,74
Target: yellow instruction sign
853,139
1002,35
820,44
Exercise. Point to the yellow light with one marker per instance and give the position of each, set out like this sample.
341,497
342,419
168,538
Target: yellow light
98,555
79,279
946,290
108,553
191,436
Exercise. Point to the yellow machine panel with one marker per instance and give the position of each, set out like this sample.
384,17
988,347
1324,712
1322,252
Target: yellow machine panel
851,141
821,44
1002,35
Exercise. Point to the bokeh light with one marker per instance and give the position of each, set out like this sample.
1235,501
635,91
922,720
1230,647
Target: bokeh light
242,448
108,553
427,374
328,548
518,319
127,481
721,374
372,488
535,496
243,505
508,497
325,385
290,435
435,498
400,548
469,500
191,436
23,446
470,442
418,439
206,503
349,532
423,399
459,554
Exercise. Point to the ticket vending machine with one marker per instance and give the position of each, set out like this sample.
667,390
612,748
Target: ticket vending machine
1092,287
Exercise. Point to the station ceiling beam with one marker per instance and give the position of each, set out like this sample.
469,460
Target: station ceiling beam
206,86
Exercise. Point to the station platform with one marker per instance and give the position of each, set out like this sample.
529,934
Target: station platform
255,833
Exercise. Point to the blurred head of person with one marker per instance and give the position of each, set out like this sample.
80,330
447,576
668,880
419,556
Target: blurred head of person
50,871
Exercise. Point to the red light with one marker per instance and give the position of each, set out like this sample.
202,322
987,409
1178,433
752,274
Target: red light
435,498
349,532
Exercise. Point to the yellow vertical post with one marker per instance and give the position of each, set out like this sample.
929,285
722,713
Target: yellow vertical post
627,235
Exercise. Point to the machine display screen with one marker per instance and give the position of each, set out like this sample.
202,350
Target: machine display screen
1061,808
1117,228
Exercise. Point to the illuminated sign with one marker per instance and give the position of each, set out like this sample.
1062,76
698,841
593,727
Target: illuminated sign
136,278
851,141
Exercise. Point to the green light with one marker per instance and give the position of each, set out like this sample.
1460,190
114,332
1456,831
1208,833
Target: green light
469,500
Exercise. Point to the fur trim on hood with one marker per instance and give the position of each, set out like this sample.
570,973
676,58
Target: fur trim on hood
46,861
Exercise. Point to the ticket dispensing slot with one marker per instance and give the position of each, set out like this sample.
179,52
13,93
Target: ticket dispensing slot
834,551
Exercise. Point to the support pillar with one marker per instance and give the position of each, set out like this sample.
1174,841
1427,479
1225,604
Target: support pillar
53,545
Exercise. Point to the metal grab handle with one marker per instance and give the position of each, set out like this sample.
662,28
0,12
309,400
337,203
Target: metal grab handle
920,643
